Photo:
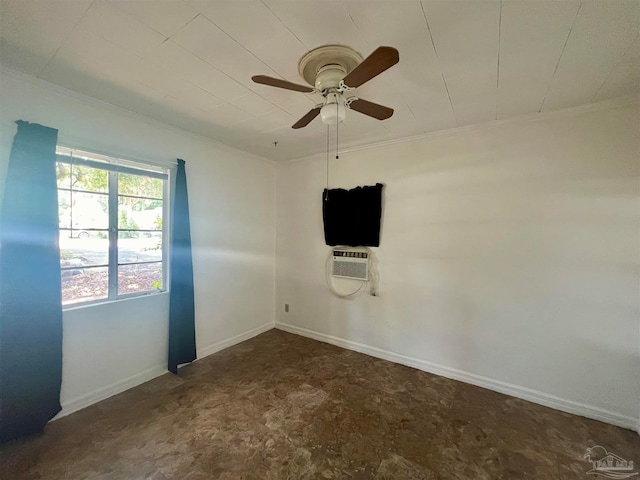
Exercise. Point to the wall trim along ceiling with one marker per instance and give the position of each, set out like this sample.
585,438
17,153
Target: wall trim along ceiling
65,138
520,120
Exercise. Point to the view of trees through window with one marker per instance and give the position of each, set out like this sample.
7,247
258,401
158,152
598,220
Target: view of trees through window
111,240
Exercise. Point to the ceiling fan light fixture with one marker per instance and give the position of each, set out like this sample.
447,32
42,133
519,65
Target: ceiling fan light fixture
333,111
332,70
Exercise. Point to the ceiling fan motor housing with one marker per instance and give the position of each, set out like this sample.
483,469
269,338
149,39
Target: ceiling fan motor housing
321,66
329,76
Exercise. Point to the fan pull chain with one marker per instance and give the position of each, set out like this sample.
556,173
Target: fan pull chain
337,123
326,194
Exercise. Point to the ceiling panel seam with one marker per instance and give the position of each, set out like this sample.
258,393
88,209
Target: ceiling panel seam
183,26
66,38
209,64
498,63
435,51
613,69
284,24
553,76
277,107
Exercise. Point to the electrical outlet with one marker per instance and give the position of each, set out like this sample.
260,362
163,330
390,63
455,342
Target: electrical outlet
286,307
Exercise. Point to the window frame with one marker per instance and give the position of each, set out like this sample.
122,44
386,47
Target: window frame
113,166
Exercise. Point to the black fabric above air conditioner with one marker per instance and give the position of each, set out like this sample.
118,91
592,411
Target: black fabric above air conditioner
352,217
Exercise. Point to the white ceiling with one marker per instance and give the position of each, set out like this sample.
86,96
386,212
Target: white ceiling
189,62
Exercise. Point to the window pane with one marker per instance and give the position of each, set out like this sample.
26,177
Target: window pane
84,248
86,220
144,277
139,214
84,285
63,174
82,234
136,247
90,179
139,185
64,208
89,210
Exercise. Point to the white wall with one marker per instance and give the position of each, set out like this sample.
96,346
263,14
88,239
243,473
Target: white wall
232,201
508,258
509,254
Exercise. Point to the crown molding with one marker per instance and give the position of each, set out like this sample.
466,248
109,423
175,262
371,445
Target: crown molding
619,102
625,101
78,142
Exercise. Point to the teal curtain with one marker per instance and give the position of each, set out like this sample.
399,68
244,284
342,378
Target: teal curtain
182,332
30,292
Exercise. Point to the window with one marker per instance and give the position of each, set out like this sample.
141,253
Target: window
112,227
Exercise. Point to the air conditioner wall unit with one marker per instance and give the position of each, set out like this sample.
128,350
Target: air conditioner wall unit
351,263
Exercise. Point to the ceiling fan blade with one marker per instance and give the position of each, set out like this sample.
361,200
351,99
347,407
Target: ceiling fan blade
372,109
277,82
376,63
306,120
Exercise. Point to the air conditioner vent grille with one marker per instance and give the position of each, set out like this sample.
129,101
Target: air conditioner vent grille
352,264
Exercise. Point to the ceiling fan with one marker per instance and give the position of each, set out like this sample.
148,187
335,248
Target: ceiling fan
333,71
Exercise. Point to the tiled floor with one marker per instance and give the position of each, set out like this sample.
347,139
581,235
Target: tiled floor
280,406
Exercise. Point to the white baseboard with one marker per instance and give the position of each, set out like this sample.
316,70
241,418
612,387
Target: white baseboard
103,393
524,393
216,347
120,386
